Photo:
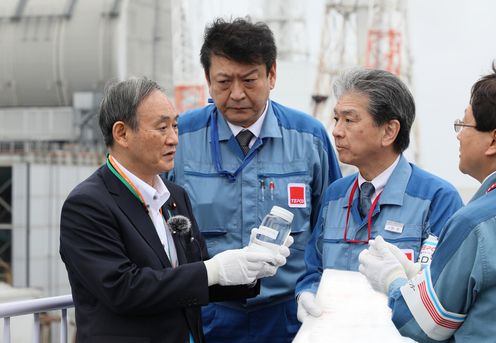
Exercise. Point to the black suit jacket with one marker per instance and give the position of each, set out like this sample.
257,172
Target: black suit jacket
123,286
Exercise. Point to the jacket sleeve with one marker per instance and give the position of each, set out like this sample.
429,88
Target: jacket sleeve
453,281
444,204
100,270
310,280
326,170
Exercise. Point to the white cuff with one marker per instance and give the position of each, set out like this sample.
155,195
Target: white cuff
212,267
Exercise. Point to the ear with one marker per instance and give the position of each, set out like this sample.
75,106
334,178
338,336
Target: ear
391,130
491,149
272,76
120,132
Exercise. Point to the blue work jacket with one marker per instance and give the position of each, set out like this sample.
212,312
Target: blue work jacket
418,202
231,193
460,293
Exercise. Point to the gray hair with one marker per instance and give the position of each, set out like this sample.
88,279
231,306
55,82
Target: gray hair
388,99
120,103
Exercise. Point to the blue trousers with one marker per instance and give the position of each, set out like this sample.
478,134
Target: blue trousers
271,324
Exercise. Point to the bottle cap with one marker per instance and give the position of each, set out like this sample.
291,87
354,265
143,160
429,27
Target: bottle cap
282,213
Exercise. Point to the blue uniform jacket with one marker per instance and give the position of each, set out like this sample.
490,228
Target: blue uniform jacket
462,277
232,193
418,201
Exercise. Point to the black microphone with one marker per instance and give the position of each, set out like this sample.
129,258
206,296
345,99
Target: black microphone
180,225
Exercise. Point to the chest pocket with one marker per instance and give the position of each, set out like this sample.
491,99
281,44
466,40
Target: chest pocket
274,180
410,238
212,196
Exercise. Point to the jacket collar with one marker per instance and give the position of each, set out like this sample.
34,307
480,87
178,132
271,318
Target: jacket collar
270,126
394,190
484,186
135,212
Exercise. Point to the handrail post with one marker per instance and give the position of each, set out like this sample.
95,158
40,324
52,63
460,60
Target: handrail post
36,328
35,307
63,326
6,330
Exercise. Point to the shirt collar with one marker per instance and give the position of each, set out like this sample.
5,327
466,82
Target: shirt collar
255,128
154,197
380,180
488,181
490,176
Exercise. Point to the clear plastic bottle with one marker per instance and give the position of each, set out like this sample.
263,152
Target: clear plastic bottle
276,226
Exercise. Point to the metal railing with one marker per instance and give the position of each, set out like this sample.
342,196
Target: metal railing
35,307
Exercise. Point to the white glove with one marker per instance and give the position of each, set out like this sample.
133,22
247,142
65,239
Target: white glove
307,306
411,269
236,267
380,265
280,252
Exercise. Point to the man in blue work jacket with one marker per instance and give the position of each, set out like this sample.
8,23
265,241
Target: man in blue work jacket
388,196
242,155
453,299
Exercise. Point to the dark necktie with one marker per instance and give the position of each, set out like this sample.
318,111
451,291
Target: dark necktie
244,138
366,191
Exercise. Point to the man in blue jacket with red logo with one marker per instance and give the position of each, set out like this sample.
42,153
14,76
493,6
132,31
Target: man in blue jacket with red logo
242,155
388,196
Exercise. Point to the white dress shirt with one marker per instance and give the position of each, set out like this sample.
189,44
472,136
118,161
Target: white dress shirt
155,197
380,180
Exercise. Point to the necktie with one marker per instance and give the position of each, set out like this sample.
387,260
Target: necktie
366,191
244,138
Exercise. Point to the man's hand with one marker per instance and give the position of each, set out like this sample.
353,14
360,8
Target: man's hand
307,306
280,253
411,269
237,267
380,265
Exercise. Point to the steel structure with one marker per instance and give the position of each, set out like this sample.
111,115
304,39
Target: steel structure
342,46
371,33
288,23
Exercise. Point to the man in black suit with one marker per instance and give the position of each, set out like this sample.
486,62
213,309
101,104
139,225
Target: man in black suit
135,275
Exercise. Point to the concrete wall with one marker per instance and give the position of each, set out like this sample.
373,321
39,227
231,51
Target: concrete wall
48,186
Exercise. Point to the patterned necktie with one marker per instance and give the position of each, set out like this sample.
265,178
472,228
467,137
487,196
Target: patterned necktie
367,189
244,138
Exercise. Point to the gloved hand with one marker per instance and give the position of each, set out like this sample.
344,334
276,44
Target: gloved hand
411,269
307,306
380,265
280,253
236,267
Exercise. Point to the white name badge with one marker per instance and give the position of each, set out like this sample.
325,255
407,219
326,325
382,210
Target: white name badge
393,226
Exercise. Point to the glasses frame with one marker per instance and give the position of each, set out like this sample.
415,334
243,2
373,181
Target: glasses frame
459,124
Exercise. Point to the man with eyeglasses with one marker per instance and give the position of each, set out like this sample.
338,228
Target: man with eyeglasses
388,196
453,299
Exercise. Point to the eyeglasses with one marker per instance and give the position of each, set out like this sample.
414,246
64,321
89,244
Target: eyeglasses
459,124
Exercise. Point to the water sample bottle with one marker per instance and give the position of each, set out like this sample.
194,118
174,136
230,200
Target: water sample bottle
276,226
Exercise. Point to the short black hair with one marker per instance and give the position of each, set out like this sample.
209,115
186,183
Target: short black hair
239,40
483,102
120,103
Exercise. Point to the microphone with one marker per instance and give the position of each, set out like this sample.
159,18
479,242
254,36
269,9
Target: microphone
180,225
